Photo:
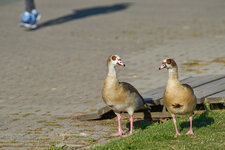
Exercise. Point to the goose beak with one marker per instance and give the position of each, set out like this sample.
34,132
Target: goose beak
162,66
120,63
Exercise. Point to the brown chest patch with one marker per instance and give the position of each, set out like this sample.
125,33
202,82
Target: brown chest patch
177,105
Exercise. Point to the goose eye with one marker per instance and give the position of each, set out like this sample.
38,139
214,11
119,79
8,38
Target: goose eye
168,61
114,58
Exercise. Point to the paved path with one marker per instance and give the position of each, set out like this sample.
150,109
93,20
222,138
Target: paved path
57,71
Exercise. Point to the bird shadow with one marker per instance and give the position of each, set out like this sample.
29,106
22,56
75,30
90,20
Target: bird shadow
202,121
140,124
143,123
83,13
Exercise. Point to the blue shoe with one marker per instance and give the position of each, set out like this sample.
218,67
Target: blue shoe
28,20
36,14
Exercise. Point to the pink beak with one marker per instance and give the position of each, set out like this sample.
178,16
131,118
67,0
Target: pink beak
162,66
120,63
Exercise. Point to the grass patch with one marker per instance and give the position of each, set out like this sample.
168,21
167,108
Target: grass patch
63,117
11,142
195,63
45,121
4,129
56,147
11,146
41,121
28,114
37,129
209,131
199,71
53,125
82,125
91,140
219,60
15,119
78,136
14,114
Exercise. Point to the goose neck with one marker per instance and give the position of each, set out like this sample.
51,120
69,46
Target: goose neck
173,73
111,70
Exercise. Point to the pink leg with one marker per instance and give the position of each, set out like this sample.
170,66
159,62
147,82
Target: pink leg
131,126
190,132
174,122
120,131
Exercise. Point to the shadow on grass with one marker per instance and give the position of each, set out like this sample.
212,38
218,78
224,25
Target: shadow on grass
202,121
83,13
142,124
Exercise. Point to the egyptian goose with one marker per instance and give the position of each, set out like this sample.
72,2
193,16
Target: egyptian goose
120,96
179,99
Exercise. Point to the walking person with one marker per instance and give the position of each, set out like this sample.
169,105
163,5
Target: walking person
30,16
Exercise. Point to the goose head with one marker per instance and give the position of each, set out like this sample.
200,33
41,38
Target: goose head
115,60
168,64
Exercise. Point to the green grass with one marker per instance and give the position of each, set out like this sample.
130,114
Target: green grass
56,148
209,129
91,140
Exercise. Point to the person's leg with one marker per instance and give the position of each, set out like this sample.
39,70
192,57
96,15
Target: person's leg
30,15
29,5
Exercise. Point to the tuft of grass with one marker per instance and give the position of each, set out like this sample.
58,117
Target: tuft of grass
14,114
53,125
82,125
36,129
91,140
199,71
41,121
63,117
15,119
56,147
209,129
11,146
27,114
4,129
219,60
45,121
11,142
195,63
78,136
50,129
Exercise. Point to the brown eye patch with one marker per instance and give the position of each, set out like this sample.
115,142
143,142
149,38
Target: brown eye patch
168,61
114,58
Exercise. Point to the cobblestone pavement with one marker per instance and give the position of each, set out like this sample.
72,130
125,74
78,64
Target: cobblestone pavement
57,71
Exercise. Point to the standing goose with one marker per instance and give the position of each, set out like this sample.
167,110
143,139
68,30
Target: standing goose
120,96
178,98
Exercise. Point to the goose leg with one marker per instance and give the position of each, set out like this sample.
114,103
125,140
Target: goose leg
120,131
131,126
175,125
190,132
